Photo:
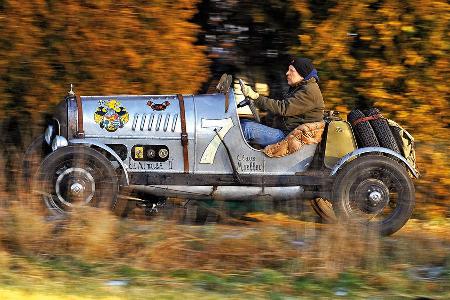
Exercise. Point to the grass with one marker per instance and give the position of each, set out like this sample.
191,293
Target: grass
47,280
276,258
280,257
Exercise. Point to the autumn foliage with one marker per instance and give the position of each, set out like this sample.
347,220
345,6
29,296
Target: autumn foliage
393,55
103,47
385,53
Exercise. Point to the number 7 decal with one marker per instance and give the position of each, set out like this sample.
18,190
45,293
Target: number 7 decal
210,152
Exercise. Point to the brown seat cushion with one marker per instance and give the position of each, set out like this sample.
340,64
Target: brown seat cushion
305,134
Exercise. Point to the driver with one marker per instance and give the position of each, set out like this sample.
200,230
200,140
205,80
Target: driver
303,103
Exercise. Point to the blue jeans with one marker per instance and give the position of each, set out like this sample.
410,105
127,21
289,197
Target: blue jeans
261,134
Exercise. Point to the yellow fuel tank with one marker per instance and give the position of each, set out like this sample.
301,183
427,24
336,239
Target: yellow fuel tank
340,141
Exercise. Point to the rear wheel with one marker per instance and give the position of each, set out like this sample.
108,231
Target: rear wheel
374,190
74,176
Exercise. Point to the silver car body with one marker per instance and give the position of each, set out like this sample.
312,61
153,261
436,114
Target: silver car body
207,155
156,120
221,164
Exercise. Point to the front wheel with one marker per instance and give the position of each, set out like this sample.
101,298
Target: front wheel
33,156
74,176
374,190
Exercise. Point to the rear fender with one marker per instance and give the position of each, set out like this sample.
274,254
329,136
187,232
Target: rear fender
348,157
90,143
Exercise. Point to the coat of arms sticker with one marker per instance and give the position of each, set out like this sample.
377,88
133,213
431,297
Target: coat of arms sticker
111,115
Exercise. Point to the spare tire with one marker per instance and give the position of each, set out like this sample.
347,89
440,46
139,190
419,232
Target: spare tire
382,130
364,133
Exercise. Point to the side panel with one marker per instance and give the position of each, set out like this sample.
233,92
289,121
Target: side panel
289,165
211,156
139,121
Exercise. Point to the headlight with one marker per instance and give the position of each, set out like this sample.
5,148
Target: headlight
49,134
58,142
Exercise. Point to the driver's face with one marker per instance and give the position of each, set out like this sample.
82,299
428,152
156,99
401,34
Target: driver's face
292,76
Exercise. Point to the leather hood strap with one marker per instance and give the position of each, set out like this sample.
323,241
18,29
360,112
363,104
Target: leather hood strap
80,130
184,135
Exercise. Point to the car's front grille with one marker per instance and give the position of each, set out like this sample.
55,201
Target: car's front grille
154,122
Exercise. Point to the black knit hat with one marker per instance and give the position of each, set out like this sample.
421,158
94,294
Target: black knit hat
302,65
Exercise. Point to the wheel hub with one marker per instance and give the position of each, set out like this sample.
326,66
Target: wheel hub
372,195
75,186
375,197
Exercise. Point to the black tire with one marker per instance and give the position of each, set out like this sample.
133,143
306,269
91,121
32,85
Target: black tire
397,136
324,208
76,175
33,157
364,133
382,131
374,190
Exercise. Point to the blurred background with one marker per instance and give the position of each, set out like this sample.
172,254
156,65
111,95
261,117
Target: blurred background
384,53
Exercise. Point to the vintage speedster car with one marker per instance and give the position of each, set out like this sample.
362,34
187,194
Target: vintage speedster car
192,147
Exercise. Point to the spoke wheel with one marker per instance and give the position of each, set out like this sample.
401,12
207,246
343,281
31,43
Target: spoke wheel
75,176
374,190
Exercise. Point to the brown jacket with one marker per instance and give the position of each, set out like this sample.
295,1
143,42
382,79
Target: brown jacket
302,104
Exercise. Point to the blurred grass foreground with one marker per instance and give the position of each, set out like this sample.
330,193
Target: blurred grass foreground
92,254
389,54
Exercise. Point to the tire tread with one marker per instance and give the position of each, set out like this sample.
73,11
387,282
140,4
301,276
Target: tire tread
365,135
382,131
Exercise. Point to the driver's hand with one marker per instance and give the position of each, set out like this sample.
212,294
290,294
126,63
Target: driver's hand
248,92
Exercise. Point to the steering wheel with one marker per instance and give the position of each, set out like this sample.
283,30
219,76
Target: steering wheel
249,102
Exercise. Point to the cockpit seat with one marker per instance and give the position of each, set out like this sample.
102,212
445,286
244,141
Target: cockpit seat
305,134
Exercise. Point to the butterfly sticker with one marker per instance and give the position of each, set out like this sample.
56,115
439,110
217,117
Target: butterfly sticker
158,106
